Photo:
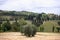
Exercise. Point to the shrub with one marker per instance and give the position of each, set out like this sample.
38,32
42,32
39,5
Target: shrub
16,27
1,28
6,26
22,29
58,23
34,30
22,22
30,30
58,28
41,29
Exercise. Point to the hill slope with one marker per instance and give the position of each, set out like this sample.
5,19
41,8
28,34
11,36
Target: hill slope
48,26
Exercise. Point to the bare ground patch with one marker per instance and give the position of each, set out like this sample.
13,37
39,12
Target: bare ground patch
38,36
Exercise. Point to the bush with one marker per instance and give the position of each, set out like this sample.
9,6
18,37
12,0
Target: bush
22,22
16,27
6,26
30,30
58,23
41,29
22,29
1,28
34,30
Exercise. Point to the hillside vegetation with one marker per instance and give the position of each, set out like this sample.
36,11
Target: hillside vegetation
48,26
13,21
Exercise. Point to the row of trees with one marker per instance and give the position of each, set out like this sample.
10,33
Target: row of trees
29,30
21,26
15,26
29,15
37,19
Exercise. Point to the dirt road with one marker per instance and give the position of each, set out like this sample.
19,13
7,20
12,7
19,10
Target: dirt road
38,36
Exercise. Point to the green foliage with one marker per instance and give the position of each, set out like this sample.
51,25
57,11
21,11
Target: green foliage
37,22
45,17
16,26
29,17
6,26
41,29
58,22
48,26
34,30
22,22
1,28
53,29
58,29
22,29
30,30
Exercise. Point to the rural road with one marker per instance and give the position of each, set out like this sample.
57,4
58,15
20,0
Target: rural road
38,36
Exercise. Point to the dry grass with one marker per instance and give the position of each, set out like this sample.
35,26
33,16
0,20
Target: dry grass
38,36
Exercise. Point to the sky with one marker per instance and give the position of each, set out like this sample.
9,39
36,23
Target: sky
38,6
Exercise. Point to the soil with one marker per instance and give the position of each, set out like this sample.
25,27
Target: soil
38,36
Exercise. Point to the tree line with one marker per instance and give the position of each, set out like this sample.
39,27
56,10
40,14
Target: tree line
22,26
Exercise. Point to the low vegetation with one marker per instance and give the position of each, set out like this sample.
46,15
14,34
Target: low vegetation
28,23
30,30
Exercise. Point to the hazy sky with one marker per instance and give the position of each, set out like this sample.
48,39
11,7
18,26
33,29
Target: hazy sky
47,6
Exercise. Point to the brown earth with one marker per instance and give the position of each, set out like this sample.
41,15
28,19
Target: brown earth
38,36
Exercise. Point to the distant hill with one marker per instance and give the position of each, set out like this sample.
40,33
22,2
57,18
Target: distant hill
16,13
29,15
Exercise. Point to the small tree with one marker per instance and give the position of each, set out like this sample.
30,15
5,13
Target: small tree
41,29
59,23
22,29
53,29
34,30
1,28
22,22
30,30
58,28
6,26
16,26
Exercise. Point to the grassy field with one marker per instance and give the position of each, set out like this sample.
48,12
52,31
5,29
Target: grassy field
48,25
46,35
38,36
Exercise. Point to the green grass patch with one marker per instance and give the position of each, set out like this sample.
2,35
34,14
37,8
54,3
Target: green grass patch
48,26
